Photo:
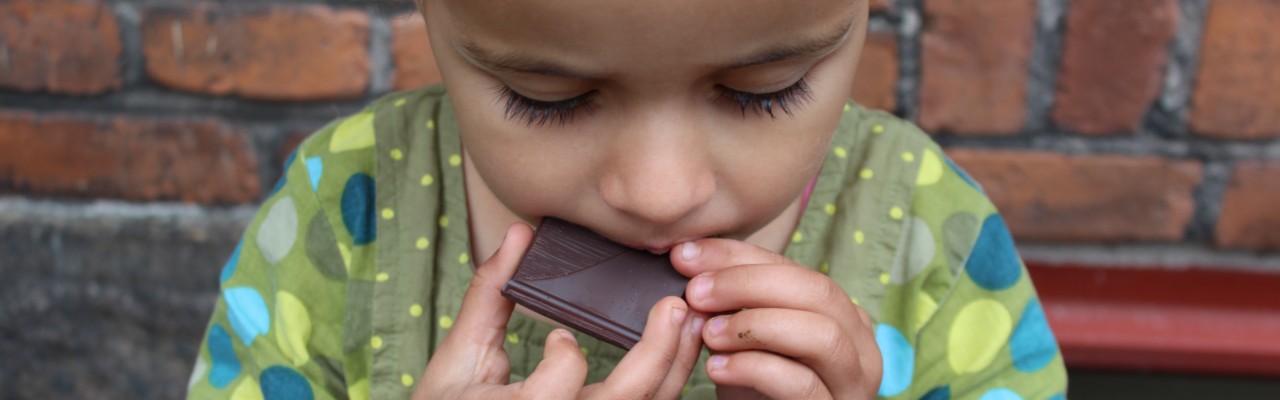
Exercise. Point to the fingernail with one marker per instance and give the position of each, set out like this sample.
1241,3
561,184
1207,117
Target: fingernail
701,287
677,315
689,251
695,326
717,362
716,325
568,336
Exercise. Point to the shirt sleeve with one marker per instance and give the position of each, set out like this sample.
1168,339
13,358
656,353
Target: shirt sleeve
277,326
966,321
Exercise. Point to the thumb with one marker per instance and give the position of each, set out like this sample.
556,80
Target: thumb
484,314
562,371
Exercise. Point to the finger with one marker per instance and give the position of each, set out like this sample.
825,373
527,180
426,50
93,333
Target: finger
709,255
686,357
484,314
562,371
775,376
645,367
810,338
771,286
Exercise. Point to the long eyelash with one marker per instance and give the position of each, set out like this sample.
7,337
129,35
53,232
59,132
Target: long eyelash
764,103
539,113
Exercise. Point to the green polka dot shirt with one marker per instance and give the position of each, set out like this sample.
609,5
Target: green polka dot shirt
354,269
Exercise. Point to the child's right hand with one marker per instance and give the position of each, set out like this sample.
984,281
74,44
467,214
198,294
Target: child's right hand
471,364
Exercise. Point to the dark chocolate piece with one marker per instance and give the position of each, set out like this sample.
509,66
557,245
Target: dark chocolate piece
586,282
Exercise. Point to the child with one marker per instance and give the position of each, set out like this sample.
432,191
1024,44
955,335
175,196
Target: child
840,253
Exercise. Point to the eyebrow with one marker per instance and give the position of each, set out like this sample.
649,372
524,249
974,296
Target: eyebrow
521,62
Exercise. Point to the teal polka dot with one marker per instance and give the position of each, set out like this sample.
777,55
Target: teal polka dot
1000,394
358,208
938,393
994,263
315,169
226,367
229,268
1032,344
247,312
283,383
898,358
1059,396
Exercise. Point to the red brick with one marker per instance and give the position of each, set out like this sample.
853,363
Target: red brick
291,143
1113,63
1087,198
193,160
411,48
296,53
875,84
60,46
1250,216
974,65
1235,95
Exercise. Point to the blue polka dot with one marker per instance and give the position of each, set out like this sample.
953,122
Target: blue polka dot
1059,396
247,312
283,383
230,267
994,264
899,360
1000,394
963,175
1032,344
938,393
226,367
357,208
315,169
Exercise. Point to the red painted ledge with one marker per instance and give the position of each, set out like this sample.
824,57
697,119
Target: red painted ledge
1165,320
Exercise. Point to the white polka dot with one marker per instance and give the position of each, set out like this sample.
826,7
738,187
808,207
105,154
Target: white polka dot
278,231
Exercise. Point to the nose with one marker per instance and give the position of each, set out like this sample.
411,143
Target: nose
660,169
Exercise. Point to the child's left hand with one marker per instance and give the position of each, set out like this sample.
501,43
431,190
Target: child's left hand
797,336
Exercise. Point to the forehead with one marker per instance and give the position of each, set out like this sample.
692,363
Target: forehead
607,33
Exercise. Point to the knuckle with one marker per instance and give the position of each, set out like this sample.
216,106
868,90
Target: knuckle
812,388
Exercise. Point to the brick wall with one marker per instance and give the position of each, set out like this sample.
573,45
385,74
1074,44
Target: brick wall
137,135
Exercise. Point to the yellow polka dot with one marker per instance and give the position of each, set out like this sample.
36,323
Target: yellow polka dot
796,237
406,380
584,351
853,300
455,160
877,128
346,256
427,180
859,237
358,390
847,108
446,322
930,169
978,333
687,386
513,338
867,173
841,152
908,157
400,102
824,268
431,124
396,154
422,243
376,342
925,306
415,310
355,132
382,277
884,278
830,209
895,213
292,326
388,213
444,221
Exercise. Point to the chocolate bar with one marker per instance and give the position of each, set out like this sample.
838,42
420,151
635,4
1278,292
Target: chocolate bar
586,282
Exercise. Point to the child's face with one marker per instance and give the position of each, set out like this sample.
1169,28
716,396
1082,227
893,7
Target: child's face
647,121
